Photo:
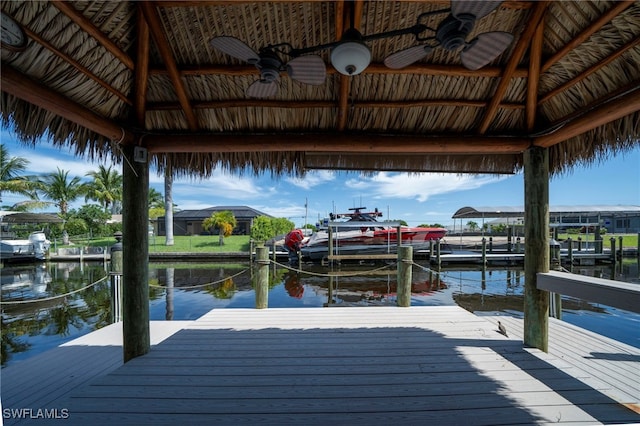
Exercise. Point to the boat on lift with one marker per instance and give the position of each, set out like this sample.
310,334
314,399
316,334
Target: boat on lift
360,234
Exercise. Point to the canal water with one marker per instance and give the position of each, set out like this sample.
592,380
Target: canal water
45,305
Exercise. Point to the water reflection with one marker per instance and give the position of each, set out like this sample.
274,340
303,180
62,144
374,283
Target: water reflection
186,291
35,315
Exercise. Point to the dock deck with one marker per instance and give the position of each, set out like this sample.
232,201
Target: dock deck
356,365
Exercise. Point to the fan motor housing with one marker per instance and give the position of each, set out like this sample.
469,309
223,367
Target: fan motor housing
453,31
270,66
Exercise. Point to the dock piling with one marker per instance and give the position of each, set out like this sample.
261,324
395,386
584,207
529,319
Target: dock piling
405,260
262,277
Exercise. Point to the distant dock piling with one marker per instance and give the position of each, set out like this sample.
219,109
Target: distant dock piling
405,275
262,277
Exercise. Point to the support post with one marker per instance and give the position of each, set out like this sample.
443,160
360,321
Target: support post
262,280
405,269
135,251
116,278
536,242
614,258
484,252
570,250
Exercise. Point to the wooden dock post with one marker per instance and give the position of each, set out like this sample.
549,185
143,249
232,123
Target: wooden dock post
135,251
613,256
484,252
438,258
570,250
405,269
262,277
536,243
116,278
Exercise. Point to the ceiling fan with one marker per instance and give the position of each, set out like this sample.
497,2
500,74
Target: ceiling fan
350,55
309,69
452,33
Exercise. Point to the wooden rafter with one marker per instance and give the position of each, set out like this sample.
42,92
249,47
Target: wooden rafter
521,47
586,73
343,91
81,68
604,19
141,71
514,4
603,113
373,68
155,27
79,19
265,103
534,76
335,142
17,84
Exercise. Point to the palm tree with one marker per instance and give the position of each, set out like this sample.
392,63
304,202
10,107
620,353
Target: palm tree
106,188
11,179
156,200
224,220
60,190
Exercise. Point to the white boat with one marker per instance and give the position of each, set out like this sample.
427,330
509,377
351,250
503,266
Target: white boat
360,234
34,248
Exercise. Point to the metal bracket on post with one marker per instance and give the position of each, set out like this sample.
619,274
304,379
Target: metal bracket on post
140,154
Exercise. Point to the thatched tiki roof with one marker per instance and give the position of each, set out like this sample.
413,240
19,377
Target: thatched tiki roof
97,74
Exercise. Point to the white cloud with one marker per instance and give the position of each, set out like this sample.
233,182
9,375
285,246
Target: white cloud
419,187
312,179
221,188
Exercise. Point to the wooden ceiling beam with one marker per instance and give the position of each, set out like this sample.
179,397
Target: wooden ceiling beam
17,84
266,103
342,15
516,4
586,73
335,142
373,68
155,27
512,64
81,68
531,110
141,71
604,113
79,19
604,19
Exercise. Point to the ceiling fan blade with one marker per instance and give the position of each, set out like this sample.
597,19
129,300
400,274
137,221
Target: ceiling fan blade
307,69
262,89
478,9
236,48
407,57
484,49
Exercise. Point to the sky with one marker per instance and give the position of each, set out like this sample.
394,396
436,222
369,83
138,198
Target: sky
425,198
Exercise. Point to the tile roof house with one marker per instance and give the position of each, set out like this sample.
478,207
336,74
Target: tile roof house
189,222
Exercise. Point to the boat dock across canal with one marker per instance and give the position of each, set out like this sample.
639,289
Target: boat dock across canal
341,365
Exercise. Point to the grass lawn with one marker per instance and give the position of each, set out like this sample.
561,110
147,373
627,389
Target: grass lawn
628,240
191,244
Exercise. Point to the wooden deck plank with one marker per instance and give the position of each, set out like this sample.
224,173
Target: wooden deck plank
600,359
45,379
373,365
346,365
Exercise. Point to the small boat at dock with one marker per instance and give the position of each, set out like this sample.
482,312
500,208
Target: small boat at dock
360,234
35,248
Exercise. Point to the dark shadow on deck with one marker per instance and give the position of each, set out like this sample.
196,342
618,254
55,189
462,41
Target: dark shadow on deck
381,375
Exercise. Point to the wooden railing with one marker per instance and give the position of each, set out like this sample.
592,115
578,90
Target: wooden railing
617,294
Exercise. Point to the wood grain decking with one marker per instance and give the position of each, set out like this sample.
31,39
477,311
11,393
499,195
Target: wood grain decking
362,365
